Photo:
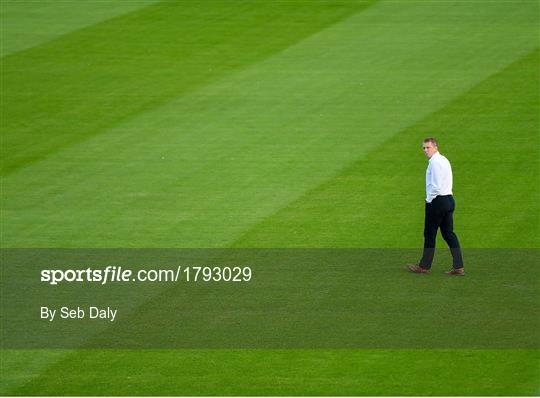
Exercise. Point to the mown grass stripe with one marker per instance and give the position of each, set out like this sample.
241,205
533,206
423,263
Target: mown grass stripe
26,24
82,83
287,372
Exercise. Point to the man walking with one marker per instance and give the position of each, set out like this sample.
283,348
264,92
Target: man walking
439,211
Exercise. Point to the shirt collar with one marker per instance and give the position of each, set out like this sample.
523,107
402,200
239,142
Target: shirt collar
436,154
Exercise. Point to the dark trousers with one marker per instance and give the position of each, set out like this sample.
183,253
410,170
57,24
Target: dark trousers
440,214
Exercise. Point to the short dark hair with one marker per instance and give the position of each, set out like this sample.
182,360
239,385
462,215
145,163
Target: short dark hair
432,140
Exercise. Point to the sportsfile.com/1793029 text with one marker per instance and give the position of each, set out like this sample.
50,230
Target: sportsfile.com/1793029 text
119,274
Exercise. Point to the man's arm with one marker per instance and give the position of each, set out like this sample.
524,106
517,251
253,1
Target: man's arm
436,171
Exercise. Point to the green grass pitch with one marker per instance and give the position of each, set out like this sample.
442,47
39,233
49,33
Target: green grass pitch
272,124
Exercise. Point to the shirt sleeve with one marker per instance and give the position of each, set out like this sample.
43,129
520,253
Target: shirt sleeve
436,179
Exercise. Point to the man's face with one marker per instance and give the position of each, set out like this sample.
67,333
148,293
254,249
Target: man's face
429,149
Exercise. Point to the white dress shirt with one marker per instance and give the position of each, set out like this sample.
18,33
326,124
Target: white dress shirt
438,177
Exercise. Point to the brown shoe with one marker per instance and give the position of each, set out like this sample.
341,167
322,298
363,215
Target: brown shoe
456,271
417,269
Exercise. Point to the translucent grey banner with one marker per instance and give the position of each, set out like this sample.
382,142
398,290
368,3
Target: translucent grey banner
267,298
